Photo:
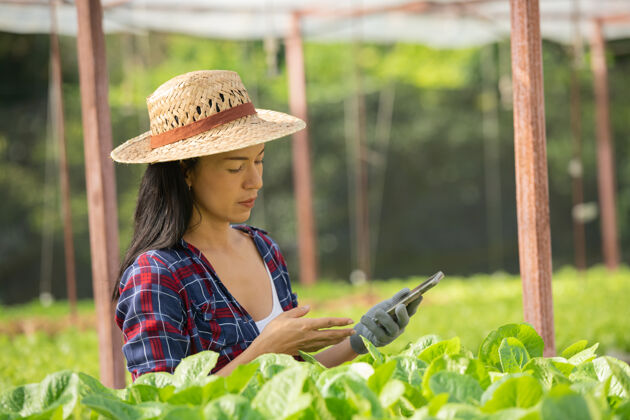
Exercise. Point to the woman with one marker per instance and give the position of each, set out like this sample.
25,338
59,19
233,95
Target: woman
193,281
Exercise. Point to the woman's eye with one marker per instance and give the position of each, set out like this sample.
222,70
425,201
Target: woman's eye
235,171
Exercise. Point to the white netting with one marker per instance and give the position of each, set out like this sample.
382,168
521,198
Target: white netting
445,23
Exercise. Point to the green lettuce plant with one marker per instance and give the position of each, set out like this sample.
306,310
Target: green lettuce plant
430,379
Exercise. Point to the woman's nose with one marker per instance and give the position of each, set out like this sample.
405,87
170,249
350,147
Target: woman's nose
254,177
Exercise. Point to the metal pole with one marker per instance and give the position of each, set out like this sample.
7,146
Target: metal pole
532,190
361,215
605,153
491,157
301,155
101,188
576,172
71,282
579,235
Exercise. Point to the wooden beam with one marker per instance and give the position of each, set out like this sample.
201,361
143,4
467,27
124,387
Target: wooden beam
101,188
532,190
605,153
301,155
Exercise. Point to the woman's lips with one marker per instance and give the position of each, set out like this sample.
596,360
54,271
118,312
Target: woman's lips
249,203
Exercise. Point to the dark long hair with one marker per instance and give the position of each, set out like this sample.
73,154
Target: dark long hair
165,205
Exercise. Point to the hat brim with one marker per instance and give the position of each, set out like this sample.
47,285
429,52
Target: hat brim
243,132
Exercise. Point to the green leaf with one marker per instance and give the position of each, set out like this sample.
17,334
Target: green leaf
455,363
364,370
458,411
563,404
512,355
460,388
546,372
166,393
270,364
409,369
284,395
414,396
584,372
240,378
477,370
377,357
195,369
381,376
347,393
142,393
607,366
514,414
388,389
448,347
525,333
436,403
574,349
193,395
584,355
414,349
562,365
178,413
18,399
513,390
312,360
60,389
52,413
114,408
231,407
90,385
216,388
391,392
622,411
156,379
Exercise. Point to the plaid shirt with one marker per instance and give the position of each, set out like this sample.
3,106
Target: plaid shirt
172,305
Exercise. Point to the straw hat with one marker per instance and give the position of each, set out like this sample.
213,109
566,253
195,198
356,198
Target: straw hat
203,113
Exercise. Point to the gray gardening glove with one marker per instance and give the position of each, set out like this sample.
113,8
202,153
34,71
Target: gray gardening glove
378,327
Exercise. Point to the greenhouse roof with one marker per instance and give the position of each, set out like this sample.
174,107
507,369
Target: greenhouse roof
440,23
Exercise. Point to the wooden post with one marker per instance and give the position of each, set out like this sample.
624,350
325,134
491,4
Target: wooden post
605,154
532,190
101,188
55,56
301,155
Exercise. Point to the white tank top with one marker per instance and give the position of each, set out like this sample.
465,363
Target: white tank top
275,310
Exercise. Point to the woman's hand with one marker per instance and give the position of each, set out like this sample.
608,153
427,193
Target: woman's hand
290,332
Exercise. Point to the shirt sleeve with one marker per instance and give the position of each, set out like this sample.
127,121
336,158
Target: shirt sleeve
151,315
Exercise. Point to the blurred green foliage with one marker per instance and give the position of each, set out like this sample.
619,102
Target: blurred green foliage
432,211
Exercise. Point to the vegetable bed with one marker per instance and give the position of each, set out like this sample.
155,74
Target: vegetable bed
508,378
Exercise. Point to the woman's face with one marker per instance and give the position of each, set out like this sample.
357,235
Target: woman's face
222,182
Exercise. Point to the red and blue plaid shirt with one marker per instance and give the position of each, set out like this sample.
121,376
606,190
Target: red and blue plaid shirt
172,305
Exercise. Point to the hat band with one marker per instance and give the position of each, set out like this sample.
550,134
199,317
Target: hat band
200,126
